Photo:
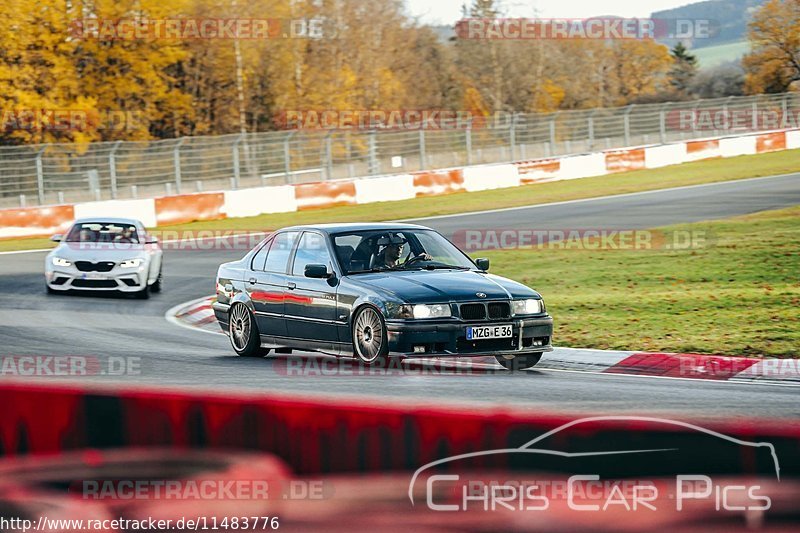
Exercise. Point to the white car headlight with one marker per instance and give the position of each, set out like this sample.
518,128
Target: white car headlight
431,311
61,262
527,307
130,263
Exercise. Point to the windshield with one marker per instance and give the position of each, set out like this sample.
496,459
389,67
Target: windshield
394,250
103,232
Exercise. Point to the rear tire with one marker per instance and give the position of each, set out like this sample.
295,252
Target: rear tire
370,339
519,362
243,332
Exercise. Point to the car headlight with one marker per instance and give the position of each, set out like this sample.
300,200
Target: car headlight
61,262
130,263
527,307
419,311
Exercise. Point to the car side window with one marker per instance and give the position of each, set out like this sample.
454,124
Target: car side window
312,250
260,259
279,252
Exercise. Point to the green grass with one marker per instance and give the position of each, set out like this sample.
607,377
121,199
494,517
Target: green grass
712,56
738,296
641,180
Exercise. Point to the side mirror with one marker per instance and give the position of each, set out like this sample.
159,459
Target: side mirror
482,263
56,238
317,271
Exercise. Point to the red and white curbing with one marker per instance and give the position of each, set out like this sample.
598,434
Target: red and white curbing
198,315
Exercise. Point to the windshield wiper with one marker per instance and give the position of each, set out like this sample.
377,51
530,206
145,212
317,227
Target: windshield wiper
445,267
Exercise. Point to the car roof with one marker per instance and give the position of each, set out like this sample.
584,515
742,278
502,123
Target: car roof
340,227
109,220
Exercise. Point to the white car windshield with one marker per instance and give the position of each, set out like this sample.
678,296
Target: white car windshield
395,250
103,232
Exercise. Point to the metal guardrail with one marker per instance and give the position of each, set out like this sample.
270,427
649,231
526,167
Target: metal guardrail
57,173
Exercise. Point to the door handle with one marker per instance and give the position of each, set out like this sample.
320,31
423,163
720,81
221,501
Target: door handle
292,285
252,281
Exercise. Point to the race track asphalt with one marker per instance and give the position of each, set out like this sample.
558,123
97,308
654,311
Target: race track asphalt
34,323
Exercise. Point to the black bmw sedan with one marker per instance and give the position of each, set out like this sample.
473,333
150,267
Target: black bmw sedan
373,291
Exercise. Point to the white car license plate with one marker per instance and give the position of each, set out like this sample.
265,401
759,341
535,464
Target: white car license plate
501,331
94,276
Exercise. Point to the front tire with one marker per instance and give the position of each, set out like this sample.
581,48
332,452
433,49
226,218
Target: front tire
144,294
243,332
156,286
519,362
370,340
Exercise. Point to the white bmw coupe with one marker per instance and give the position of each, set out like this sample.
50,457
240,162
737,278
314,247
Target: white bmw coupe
105,254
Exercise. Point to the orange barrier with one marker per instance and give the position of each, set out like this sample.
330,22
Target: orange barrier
696,148
624,160
438,182
771,142
36,221
189,207
325,194
537,170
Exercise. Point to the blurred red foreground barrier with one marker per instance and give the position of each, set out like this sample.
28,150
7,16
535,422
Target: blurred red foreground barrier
338,436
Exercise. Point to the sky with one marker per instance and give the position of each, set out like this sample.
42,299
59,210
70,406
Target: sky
448,11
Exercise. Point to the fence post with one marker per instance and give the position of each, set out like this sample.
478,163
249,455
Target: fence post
662,123
176,158
40,175
237,172
422,155
112,169
329,155
512,136
468,140
627,122
553,132
784,111
373,155
590,128
754,119
287,157
726,113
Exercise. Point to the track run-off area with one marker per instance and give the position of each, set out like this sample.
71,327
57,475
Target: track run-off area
131,342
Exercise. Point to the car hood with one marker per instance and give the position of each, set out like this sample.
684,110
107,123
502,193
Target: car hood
95,252
432,286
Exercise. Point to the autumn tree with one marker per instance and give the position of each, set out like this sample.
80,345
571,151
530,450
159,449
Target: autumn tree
773,65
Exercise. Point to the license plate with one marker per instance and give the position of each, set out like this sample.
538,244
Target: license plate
501,331
94,276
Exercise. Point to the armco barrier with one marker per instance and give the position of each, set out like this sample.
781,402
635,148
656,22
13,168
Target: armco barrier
43,221
330,435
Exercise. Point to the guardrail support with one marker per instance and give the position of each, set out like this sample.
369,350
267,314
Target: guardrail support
236,166
373,154
468,140
176,158
287,157
627,124
40,175
512,136
112,169
328,156
422,155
